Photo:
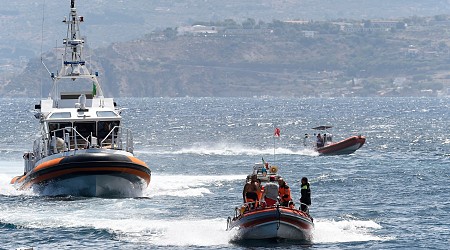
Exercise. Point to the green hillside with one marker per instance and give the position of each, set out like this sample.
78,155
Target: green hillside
253,58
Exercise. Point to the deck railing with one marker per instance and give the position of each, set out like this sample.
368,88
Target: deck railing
69,138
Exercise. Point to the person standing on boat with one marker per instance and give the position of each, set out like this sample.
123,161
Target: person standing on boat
319,141
284,192
259,190
250,192
271,192
305,199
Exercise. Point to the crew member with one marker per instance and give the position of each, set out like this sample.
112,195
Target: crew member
250,192
305,200
284,192
320,142
260,190
271,192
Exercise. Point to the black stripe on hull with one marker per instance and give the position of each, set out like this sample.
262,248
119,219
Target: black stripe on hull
93,185
91,171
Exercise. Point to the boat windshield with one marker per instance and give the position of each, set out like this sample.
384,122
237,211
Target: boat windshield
104,127
85,128
52,126
106,114
59,115
100,129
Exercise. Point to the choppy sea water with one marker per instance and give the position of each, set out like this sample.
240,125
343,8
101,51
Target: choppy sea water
392,193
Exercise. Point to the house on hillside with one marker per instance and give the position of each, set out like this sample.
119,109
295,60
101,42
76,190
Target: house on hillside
389,24
197,30
309,33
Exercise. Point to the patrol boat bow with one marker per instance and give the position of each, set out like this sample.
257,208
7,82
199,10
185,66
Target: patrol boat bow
82,149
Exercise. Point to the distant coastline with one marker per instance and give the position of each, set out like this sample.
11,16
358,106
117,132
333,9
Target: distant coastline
296,58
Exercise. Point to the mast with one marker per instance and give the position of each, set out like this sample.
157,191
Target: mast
73,65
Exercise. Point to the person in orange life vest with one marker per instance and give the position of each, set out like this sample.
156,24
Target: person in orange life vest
271,192
250,192
284,192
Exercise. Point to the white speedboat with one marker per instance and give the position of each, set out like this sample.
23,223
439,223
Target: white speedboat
83,149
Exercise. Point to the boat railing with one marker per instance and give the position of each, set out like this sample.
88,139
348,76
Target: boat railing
29,160
69,138
118,138
255,205
248,206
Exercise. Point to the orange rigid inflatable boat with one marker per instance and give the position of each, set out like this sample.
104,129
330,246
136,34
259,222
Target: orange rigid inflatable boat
324,144
267,219
346,146
275,222
82,148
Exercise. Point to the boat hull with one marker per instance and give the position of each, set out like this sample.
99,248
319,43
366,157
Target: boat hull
273,223
347,146
91,173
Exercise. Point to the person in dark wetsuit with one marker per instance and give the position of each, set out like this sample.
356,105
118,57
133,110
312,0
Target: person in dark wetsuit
305,199
250,192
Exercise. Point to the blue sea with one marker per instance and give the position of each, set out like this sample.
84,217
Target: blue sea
393,193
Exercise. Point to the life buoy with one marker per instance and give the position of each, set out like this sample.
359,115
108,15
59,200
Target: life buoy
274,169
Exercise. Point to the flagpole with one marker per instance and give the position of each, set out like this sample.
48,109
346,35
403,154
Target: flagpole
276,133
274,148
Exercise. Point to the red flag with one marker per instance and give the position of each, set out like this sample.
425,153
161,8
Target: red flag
277,132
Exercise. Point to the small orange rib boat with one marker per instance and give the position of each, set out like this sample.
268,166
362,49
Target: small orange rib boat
346,146
263,221
325,146
275,222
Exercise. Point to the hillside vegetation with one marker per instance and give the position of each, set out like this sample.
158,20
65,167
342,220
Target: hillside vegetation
253,58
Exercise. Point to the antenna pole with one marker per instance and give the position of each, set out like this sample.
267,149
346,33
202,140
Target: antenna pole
273,148
276,133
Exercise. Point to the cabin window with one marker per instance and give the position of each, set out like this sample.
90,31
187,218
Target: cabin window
106,114
60,115
85,128
104,127
58,126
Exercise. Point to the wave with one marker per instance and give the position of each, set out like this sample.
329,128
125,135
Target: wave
187,232
331,231
200,232
8,170
231,150
187,186
206,232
